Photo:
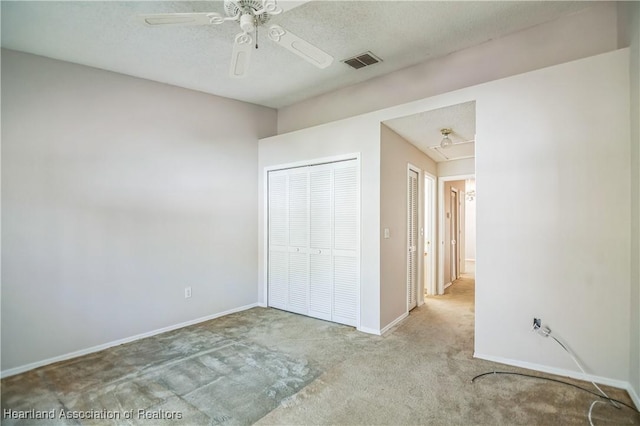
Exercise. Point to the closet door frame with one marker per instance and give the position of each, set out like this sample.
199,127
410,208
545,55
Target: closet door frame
265,218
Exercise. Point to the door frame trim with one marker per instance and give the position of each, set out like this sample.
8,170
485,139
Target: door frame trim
431,260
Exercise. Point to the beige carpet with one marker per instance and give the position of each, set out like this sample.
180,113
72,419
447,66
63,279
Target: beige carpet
421,374
272,367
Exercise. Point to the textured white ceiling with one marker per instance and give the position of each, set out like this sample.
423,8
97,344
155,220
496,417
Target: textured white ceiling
109,35
423,131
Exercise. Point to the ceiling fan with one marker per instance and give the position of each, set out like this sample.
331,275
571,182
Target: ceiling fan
250,14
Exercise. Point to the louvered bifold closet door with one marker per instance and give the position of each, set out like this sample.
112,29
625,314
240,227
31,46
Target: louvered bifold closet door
314,234
412,238
298,300
321,239
346,256
278,229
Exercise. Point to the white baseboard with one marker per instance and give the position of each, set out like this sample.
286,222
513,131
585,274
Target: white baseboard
448,284
369,330
394,322
634,396
385,329
33,365
620,384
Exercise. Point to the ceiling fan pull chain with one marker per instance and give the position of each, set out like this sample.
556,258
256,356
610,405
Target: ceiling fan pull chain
256,37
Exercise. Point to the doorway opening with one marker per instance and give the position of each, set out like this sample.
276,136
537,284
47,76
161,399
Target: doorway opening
447,138
456,230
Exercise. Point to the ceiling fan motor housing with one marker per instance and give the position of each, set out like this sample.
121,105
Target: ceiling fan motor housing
246,9
249,15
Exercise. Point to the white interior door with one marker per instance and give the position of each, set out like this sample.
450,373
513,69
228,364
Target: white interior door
321,242
346,246
429,231
298,241
412,238
455,217
278,256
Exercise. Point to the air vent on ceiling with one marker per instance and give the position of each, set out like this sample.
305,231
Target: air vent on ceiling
362,60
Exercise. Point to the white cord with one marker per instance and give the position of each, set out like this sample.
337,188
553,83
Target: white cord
591,409
546,332
575,360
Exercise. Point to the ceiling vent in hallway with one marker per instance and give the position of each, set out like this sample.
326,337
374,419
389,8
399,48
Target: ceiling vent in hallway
362,60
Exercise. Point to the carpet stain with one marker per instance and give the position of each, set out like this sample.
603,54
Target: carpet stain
232,383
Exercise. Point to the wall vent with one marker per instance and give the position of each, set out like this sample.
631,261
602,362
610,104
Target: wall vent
362,60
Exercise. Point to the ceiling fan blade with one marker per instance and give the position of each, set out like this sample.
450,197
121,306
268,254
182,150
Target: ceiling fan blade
204,18
241,54
300,47
287,5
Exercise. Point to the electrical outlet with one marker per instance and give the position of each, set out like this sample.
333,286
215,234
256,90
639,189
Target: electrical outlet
537,323
187,292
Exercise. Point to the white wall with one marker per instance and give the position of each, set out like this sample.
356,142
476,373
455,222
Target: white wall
630,14
470,222
579,35
352,136
116,194
558,247
466,166
556,251
395,156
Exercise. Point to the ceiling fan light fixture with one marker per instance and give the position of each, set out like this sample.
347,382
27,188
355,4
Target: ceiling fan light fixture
445,142
249,15
247,23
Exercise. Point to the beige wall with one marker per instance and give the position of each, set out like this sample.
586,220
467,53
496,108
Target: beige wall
579,35
117,193
395,156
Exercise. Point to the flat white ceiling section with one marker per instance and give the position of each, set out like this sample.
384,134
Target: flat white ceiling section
109,35
423,131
